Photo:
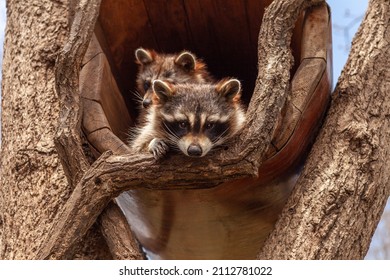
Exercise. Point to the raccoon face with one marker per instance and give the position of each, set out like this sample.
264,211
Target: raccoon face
173,68
197,118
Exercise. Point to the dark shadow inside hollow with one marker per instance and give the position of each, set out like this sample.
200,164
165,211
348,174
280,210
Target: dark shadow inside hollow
223,33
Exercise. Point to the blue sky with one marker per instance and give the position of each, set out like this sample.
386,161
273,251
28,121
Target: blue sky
346,18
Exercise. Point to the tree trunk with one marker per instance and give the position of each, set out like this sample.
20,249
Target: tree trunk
33,184
47,207
341,194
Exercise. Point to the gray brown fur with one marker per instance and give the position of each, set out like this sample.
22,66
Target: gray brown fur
192,118
177,68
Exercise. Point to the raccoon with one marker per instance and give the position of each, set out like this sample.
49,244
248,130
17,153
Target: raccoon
179,68
191,118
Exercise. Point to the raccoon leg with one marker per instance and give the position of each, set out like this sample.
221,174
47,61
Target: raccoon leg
158,148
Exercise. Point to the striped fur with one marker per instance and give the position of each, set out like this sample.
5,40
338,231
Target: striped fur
191,118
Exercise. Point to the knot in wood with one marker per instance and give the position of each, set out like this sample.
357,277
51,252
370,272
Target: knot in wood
98,181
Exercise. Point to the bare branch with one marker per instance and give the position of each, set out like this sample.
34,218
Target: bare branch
67,85
273,80
68,142
120,234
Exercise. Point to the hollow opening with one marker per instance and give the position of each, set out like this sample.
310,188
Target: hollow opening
224,33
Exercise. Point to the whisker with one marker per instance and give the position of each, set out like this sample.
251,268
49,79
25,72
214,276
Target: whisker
173,147
172,139
219,139
170,132
137,97
132,133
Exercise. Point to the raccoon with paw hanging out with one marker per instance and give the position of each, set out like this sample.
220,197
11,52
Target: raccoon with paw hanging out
191,118
177,68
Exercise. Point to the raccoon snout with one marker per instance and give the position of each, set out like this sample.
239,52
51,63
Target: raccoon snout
146,102
194,150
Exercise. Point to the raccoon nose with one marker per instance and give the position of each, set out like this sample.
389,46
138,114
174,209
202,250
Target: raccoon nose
194,150
146,103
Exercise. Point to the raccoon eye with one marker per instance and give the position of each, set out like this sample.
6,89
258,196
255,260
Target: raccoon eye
209,125
168,74
183,124
147,85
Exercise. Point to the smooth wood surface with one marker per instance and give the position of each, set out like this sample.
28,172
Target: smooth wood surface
316,33
104,106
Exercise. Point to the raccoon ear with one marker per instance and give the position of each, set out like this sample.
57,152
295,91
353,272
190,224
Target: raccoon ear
186,60
163,90
229,89
143,56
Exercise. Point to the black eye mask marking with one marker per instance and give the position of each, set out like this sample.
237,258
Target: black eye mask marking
168,74
147,85
215,130
177,128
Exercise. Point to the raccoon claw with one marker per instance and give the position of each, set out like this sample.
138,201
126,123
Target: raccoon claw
158,148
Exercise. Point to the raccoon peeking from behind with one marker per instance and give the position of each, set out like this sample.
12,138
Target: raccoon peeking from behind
192,118
178,68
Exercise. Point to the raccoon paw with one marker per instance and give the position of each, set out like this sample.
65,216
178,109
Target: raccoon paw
158,148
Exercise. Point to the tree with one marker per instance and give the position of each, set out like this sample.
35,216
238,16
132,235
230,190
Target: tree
51,196
346,170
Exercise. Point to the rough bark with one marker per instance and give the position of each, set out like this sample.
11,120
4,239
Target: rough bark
31,174
33,184
339,199
120,238
68,141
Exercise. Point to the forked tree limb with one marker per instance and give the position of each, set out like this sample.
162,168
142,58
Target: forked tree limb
68,141
112,174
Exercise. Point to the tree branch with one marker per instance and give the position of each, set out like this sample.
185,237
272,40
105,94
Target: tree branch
68,141
119,232
273,80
